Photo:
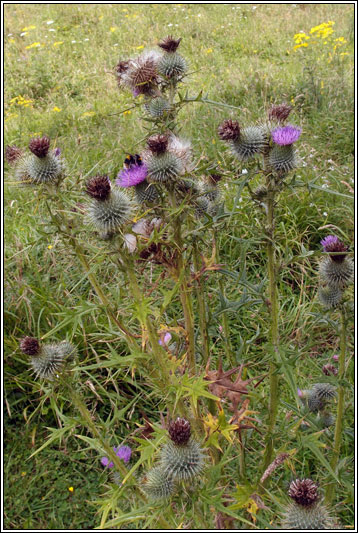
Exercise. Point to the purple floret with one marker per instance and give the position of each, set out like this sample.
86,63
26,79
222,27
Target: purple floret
57,152
286,135
132,176
330,242
123,452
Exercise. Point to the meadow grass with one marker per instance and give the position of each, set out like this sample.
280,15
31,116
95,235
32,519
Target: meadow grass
59,62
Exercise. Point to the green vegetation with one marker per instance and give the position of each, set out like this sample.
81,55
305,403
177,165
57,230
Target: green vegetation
60,82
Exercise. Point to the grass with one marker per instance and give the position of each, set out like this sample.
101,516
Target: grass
239,56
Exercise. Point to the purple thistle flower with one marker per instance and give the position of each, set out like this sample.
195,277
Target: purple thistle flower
286,135
299,393
123,452
57,152
165,340
132,176
331,243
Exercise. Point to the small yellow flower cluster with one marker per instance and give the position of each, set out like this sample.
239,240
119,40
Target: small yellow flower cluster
20,101
28,28
88,114
33,45
323,30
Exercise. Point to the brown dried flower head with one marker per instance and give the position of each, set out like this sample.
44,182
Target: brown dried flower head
329,369
169,44
158,144
12,154
229,130
143,76
304,492
40,146
213,179
179,431
280,112
99,187
30,346
120,69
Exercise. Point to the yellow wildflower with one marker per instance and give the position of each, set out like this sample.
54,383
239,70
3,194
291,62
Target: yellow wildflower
209,51
28,28
11,40
88,114
57,109
112,29
50,248
140,47
299,37
300,45
127,112
57,43
71,489
33,45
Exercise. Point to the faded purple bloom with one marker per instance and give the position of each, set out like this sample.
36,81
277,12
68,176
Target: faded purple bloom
286,135
166,339
335,357
135,92
220,329
57,152
331,243
299,393
123,452
132,176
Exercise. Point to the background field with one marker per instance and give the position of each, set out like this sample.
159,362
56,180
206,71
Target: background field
59,81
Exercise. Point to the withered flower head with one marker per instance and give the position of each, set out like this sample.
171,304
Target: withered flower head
179,431
40,146
30,346
158,144
280,112
122,67
329,369
142,75
229,130
99,187
304,492
213,179
169,44
12,154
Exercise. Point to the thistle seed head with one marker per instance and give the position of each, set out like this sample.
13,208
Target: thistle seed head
280,112
40,146
229,130
158,144
12,154
30,346
99,187
179,431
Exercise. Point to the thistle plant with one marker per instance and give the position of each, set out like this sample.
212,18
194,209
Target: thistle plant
336,271
41,167
306,510
272,141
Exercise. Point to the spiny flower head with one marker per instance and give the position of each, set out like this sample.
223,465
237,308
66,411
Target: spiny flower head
331,243
123,452
158,144
304,492
229,130
12,154
179,431
40,146
141,76
280,112
169,44
99,188
286,135
134,173
30,346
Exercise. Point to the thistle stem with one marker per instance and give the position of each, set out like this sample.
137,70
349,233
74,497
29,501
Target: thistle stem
225,323
340,406
183,290
274,310
203,323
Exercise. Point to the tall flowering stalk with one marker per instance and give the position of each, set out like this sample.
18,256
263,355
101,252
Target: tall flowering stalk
274,141
336,274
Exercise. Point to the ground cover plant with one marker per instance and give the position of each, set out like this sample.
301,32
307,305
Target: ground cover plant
179,266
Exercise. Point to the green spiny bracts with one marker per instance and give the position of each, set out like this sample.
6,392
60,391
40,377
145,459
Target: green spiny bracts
187,187
158,484
111,214
326,419
282,159
182,462
163,168
157,107
318,396
330,297
172,66
146,192
306,511
51,358
201,205
251,141
337,274
260,193
35,170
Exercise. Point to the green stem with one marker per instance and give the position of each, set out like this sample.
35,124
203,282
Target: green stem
225,323
340,407
203,323
183,290
274,310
